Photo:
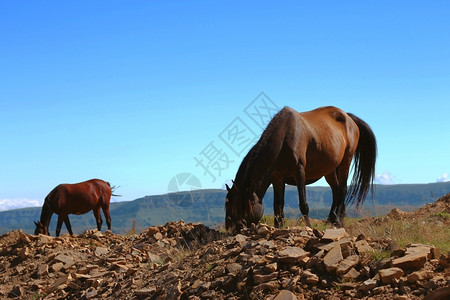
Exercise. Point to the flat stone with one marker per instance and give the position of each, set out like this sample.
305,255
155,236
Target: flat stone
99,251
285,295
60,281
334,234
271,267
42,270
240,238
98,234
362,246
352,274
291,255
65,259
263,230
151,231
234,268
418,248
25,253
410,261
91,293
258,279
388,275
56,267
154,258
86,269
311,278
348,286
145,292
332,258
44,239
24,238
267,286
368,285
347,241
345,265
419,275
267,244
81,276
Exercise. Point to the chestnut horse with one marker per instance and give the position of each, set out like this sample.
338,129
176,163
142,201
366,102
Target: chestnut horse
298,149
78,199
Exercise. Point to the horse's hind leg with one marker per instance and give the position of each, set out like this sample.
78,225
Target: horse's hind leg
301,182
107,216
98,218
338,183
334,214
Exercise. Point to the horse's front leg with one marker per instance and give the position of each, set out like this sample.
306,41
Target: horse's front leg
61,218
278,203
68,226
301,187
98,218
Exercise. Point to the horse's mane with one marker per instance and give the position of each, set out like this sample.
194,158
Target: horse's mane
244,174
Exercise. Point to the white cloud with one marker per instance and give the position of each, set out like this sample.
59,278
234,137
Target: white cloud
385,178
7,204
443,178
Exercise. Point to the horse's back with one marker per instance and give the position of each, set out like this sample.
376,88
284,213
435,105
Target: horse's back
327,114
329,121
80,197
322,138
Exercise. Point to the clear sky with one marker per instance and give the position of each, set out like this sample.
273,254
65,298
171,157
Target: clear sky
139,93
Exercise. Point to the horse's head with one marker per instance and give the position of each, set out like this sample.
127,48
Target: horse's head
40,228
242,208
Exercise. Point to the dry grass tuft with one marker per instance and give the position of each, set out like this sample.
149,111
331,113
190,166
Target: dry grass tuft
430,229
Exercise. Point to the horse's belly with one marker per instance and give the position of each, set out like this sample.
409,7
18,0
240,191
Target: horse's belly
320,167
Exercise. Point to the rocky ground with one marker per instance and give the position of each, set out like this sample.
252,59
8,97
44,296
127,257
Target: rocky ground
192,261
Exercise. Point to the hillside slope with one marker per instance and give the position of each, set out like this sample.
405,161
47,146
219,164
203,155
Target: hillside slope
192,261
207,206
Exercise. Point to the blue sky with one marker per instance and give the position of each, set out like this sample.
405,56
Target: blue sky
135,92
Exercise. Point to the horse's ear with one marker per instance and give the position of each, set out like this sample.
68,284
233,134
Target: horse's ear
228,188
36,223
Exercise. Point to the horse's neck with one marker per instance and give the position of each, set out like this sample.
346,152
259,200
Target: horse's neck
46,213
263,186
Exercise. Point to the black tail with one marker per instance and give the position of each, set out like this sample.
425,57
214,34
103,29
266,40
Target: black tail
113,189
363,163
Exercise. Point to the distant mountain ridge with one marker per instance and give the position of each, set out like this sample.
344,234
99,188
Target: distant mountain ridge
207,206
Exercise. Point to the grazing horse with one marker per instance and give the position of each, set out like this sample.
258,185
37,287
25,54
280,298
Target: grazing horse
298,149
78,199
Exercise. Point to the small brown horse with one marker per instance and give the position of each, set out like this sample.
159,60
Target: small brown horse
78,199
299,149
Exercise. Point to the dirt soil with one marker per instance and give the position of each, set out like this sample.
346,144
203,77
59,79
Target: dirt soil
192,261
